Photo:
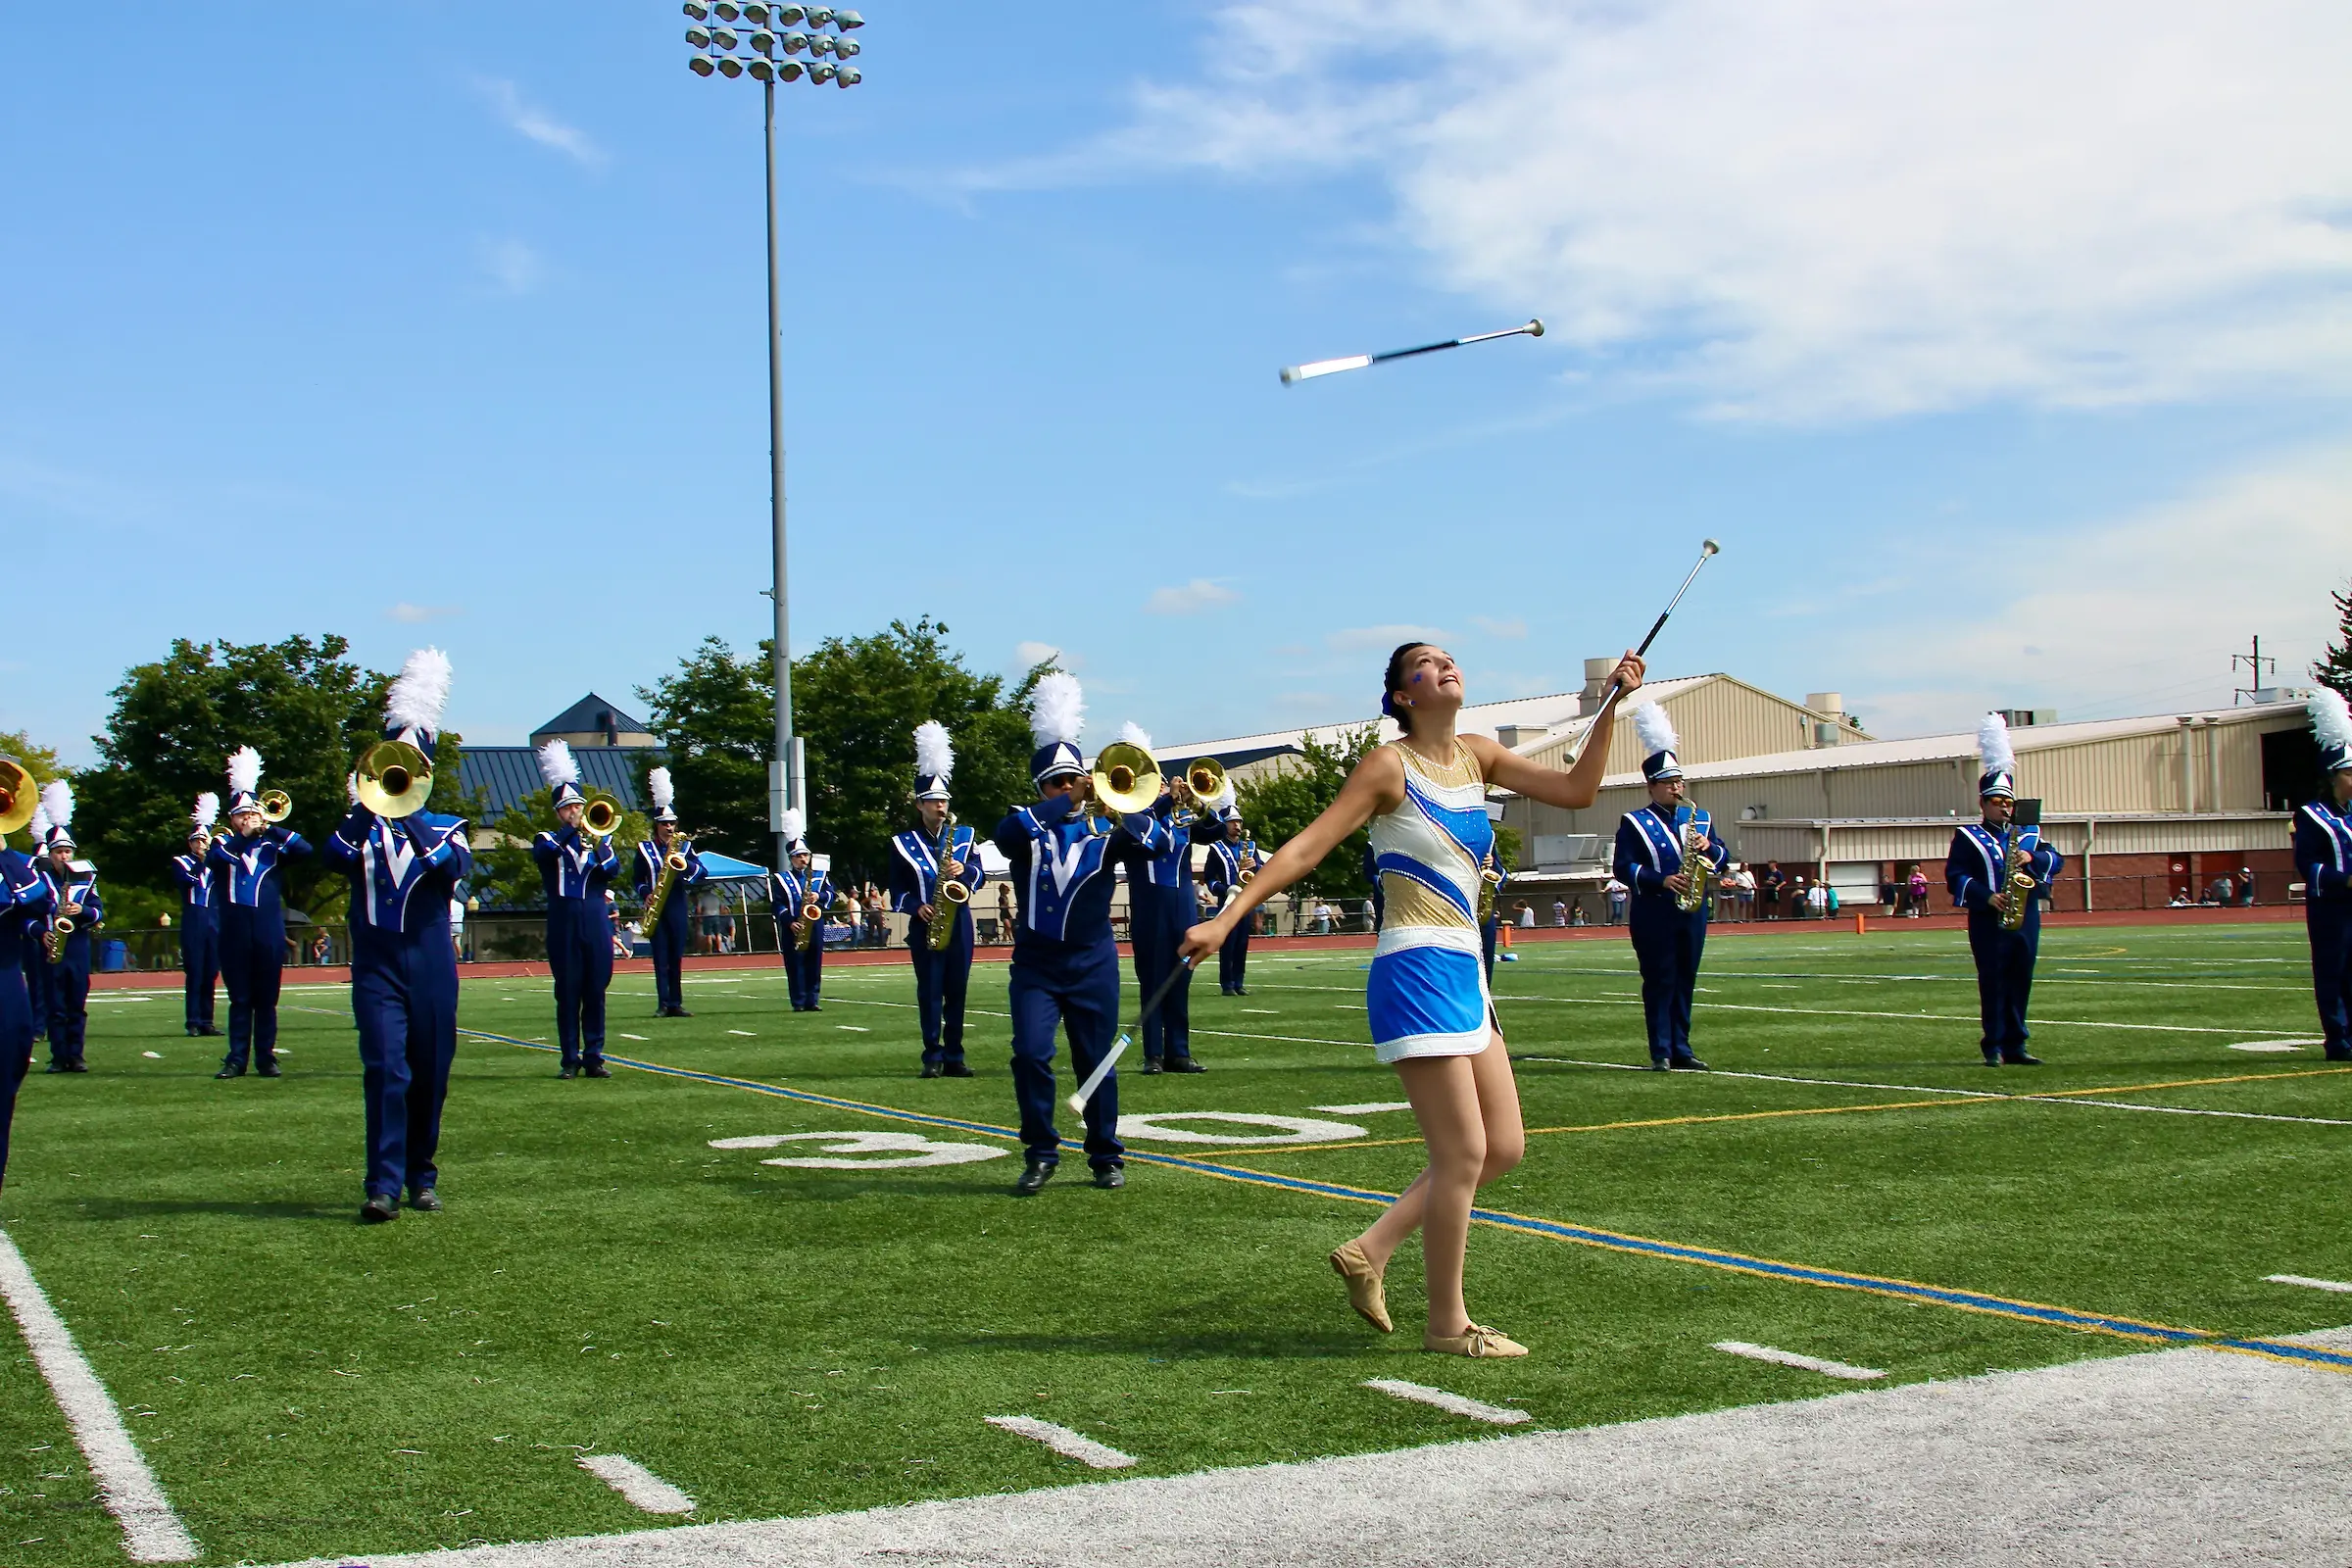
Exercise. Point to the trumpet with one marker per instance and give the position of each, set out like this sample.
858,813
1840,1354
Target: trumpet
953,893
1204,780
674,867
276,805
394,780
1125,778
600,816
20,796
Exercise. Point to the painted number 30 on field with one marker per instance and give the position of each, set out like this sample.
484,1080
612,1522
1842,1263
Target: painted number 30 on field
893,1148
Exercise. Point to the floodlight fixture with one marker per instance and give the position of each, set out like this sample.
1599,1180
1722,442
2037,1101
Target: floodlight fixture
788,15
795,42
698,10
820,43
722,38
761,70
729,67
727,10
700,65
846,19
845,47
755,14
823,73
820,15
700,37
848,76
763,43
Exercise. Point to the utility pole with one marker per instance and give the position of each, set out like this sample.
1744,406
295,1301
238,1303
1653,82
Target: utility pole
2253,664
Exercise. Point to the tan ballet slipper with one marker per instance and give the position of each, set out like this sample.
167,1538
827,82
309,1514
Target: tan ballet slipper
1478,1343
1363,1285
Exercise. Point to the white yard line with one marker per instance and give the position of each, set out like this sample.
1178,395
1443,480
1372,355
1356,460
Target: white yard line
855,1028
1805,1364
1911,1018
1062,1440
1367,1108
151,1531
635,1483
625,1035
746,1033
2306,1280
1453,1404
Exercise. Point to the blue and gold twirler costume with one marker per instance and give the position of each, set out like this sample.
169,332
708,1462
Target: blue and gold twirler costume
1427,996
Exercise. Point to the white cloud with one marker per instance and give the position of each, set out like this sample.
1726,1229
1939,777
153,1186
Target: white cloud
1367,639
1513,629
1202,593
528,119
512,265
1829,208
409,615
1026,656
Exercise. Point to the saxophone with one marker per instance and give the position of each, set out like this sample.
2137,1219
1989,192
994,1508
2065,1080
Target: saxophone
953,893
812,915
1697,864
61,927
2020,882
1490,883
674,867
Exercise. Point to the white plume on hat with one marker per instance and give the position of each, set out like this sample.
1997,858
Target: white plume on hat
57,799
659,789
556,764
2331,718
351,789
244,771
934,753
207,811
1226,796
1058,709
1992,745
419,691
1654,730
39,827
794,822
1134,734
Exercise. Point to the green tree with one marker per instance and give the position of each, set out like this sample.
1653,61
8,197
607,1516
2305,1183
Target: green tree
41,761
1279,805
2336,669
716,719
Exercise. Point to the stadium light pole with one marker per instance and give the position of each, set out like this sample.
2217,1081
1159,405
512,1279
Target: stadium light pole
766,49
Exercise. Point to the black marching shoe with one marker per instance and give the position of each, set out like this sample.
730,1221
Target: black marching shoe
1184,1064
228,1071
1657,1064
1152,1067
379,1207
680,1012
2340,1052
955,1069
426,1199
931,1069
211,1031
1111,1178
66,1066
1034,1177
595,1069
2024,1059
814,1007
1992,1058
267,1069
1688,1064
567,1072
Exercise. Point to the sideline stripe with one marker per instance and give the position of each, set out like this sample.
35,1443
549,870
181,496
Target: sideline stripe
1557,1230
151,1531
1803,1363
1453,1404
2309,1283
640,1487
1062,1440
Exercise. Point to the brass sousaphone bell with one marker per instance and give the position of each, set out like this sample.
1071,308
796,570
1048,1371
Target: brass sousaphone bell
20,796
394,780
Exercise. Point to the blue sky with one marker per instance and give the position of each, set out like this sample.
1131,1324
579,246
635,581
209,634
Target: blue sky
2009,355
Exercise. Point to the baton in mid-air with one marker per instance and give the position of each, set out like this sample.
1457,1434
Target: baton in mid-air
1357,362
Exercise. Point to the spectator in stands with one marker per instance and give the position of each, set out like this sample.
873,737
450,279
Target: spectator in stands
1577,915
1525,919
1005,915
1891,897
2246,887
1559,911
1615,892
1817,901
1322,918
1768,889
1917,887
2180,901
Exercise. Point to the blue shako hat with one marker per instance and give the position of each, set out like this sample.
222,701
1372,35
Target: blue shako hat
934,760
1057,717
1655,731
1994,756
2331,727
561,770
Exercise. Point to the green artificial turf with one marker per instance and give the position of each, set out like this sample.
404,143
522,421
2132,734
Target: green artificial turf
780,1339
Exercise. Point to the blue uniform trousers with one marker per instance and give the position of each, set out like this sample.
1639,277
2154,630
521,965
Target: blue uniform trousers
803,969
668,944
253,962
1157,920
35,969
1667,944
404,997
16,1050
941,980
200,963
2004,981
1078,992
70,999
1233,959
1485,947
579,955
2330,926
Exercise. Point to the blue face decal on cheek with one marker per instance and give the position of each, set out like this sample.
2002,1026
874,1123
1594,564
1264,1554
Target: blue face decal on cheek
1417,674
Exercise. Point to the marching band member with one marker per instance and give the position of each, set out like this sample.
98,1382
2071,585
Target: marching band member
1668,939
1065,965
575,867
76,888
24,904
919,867
251,865
1161,907
2324,857
404,968
1423,796
199,915
1980,873
1232,855
667,939
36,965
789,891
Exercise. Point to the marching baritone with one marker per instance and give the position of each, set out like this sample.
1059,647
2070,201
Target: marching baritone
792,894
1233,859
251,864
199,916
1161,907
25,900
926,861
404,864
2324,858
1999,871
78,913
664,930
1667,853
1064,974
576,865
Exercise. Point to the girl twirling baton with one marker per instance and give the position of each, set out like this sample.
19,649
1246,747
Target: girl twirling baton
1424,795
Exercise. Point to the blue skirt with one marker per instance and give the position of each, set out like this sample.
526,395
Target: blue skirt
1427,996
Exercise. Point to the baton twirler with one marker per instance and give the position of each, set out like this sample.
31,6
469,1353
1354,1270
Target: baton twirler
1357,362
1110,1057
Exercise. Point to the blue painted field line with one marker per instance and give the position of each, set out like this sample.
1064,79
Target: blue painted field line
1582,1234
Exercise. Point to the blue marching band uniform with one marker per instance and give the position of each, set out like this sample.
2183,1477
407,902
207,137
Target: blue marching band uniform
25,900
575,867
1064,974
667,939
198,917
1162,906
1668,940
2324,858
918,858
75,886
404,871
1232,857
251,864
789,891
1977,871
